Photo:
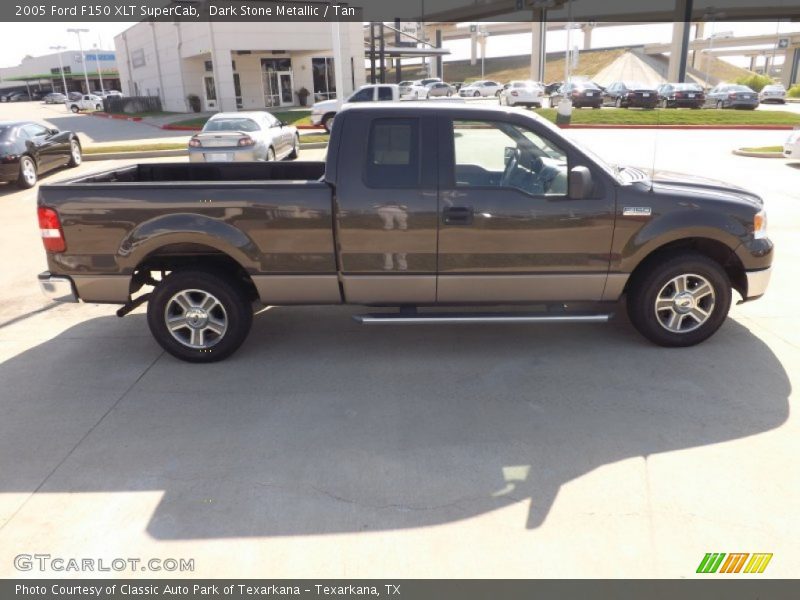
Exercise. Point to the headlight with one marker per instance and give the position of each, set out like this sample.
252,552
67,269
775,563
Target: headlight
760,225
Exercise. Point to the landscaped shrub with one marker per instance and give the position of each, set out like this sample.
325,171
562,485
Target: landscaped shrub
754,82
794,91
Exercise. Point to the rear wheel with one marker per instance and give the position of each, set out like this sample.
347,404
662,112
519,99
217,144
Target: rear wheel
27,173
295,147
199,316
74,109
681,301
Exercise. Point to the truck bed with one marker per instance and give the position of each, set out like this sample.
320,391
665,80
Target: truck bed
180,172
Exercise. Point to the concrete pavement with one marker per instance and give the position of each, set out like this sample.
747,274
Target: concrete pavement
329,449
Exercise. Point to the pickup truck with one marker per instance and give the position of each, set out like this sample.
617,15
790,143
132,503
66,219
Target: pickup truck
322,113
440,210
86,102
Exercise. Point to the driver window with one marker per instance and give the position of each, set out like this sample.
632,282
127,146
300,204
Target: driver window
503,155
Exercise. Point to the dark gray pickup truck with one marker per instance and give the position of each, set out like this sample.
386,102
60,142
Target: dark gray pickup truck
439,210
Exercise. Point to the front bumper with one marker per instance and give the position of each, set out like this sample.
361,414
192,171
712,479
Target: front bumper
57,289
757,282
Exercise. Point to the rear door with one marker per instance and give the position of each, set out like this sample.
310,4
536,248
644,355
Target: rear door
508,231
386,207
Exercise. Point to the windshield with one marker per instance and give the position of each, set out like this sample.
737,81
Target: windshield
231,125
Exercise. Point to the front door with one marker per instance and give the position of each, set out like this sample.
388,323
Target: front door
287,90
209,92
508,231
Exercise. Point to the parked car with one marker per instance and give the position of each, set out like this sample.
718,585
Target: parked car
17,97
791,149
54,98
29,149
681,95
552,88
728,95
413,90
108,93
630,94
439,89
441,204
773,93
582,94
86,102
483,88
429,80
522,93
322,113
244,136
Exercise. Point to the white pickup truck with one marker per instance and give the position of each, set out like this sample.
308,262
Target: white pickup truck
322,113
86,102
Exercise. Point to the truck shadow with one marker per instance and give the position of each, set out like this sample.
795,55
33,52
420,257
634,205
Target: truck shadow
319,425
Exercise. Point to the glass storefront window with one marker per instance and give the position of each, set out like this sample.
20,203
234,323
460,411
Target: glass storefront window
324,80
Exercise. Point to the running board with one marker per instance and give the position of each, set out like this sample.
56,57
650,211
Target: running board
413,318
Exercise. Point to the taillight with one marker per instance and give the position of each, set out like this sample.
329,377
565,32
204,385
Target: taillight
247,141
732,95
631,94
514,94
679,94
50,228
194,143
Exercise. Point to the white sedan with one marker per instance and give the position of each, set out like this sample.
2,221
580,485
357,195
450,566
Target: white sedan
244,136
522,93
791,149
482,89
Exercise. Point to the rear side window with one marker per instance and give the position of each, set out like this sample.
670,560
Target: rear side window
393,154
385,93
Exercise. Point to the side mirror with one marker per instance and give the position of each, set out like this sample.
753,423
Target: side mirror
53,131
282,123
580,183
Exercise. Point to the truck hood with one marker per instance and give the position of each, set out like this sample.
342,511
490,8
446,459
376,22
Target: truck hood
703,187
323,106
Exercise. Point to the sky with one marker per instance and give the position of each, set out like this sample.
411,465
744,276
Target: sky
20,39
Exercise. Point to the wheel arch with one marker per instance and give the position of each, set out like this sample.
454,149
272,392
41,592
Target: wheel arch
716,250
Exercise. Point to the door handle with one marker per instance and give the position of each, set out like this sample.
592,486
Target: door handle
458,215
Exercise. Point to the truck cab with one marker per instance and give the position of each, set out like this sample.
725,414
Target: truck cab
322,113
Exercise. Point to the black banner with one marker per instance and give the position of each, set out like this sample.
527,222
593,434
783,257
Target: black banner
405,10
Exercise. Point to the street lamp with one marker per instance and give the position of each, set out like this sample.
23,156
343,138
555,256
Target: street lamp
61,65
78,32
97,66
714,36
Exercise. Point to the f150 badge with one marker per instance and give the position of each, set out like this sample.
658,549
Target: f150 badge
637,211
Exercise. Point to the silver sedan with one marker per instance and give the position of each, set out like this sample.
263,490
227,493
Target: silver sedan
244,136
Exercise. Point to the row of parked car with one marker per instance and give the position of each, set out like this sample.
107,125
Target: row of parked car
55,97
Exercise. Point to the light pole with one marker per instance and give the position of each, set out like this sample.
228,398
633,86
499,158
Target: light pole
97,66
61,65
78,32
711,38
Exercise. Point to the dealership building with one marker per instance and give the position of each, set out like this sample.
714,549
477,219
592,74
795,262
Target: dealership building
43,73
239,66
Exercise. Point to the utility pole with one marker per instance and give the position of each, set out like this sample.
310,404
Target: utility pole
61,65
97,66
78,32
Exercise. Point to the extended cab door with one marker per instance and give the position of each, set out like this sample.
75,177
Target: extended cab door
386,206
508,230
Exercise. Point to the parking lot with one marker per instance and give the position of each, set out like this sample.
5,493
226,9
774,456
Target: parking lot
330,448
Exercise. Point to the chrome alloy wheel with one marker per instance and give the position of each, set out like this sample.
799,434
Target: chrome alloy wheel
196,319
76,153
29,170
685,303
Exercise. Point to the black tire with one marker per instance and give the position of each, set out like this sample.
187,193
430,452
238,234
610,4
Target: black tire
596,107
270,154
476,94
327,120
237,315
720,105
74,109
618,102
28,173
654,279
296,148
73,160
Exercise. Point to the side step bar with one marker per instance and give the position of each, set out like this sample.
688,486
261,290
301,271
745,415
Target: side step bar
412,318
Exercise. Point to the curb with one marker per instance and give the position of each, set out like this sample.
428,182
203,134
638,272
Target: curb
700,127
142,154
758,154
104,115
164,153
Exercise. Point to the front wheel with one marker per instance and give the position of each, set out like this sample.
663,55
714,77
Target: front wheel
327,122
75,156
270,154
681,301
476,94
199,316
